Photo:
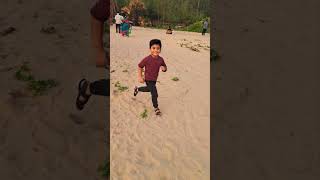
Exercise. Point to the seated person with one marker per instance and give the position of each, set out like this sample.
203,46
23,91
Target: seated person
169,30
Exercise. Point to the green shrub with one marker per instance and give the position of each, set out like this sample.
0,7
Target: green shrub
144,114
37,87
175,79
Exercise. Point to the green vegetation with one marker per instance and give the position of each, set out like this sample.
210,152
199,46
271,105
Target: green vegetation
120,87
164,13
144,114
37,87
195,27
175,79
23,73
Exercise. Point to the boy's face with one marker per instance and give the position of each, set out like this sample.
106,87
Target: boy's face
155,50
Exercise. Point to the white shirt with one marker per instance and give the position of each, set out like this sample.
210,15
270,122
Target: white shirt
118,19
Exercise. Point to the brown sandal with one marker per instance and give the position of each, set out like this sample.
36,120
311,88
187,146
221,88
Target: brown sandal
157,111
82,88
135,92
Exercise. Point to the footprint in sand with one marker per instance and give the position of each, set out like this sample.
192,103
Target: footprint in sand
8,31
76,119
48,30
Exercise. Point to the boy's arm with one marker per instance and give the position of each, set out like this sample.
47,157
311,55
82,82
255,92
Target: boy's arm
141,65
97,42
98,16
140,79
163,67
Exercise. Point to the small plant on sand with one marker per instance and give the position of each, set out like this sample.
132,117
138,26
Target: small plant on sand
37,87
120,87
125,70
144,114
175,79
104,169
23,73
117,84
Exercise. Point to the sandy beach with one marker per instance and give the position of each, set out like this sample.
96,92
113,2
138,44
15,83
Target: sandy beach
45,137
175,146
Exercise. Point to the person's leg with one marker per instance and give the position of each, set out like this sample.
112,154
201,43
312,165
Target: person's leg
100,87
144,89
154,93
118,28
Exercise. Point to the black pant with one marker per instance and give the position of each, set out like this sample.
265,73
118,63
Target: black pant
204,31
151,87
100,87
118,28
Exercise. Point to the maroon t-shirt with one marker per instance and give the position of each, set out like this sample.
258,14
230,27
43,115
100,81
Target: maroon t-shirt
152,66
100,10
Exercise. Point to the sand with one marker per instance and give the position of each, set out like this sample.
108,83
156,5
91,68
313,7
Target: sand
177,144
45,137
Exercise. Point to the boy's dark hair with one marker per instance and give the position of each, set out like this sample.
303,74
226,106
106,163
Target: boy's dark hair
155,41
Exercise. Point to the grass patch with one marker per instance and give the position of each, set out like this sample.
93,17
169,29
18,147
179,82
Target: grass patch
195,27
104,169
120,87
144,114
175,79
24,73
37,87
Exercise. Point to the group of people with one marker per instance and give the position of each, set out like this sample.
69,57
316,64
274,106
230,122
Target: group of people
123,25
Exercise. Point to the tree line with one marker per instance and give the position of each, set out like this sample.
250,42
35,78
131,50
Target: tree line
157,12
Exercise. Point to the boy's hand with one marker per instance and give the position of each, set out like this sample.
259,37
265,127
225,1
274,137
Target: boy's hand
141,80
163,68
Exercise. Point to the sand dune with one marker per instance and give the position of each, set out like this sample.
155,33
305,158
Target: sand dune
175,145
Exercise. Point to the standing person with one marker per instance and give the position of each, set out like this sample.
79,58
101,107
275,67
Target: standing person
152,64
99,14
205,27
125,28
118,18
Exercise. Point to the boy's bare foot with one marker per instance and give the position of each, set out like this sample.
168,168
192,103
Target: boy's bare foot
157,110
135,91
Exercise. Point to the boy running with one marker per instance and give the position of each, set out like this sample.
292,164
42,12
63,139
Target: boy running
152,65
